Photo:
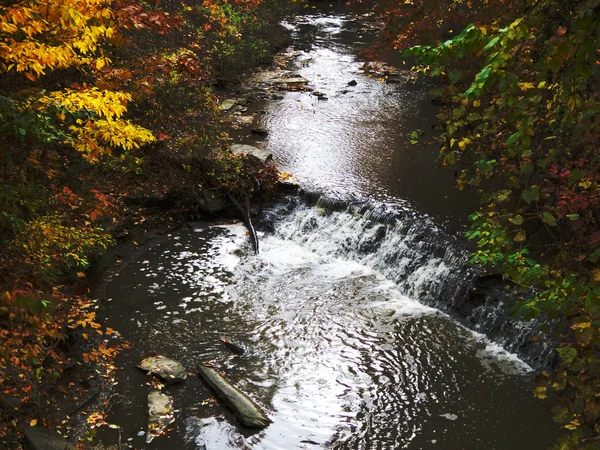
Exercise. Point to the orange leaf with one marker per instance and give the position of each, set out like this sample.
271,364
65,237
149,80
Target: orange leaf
31,76
33,423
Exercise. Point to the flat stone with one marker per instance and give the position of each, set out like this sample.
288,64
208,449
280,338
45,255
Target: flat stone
160,414
168,370
261,154
226,105
295,80
40,438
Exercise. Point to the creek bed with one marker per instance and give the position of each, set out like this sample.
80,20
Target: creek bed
340,353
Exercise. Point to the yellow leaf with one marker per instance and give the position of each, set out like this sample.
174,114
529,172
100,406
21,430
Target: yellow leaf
581,325
85,336
520,237
31,76
81,274
33,423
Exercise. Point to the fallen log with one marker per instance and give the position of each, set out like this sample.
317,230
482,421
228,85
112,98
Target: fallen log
244,409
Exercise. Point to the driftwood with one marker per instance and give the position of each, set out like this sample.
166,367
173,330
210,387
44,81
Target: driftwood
244,409
247,220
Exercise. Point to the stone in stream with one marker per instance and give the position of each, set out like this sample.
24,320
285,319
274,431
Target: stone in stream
259,131
240,149
226,105
294,80
40,438
236,348
166,369
244,409
160,414
352,83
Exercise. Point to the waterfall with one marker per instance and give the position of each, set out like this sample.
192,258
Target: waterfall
425,262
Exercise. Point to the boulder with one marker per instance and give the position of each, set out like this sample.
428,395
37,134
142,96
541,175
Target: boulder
160,414
352,83
211,203
168,370
240,149
40,438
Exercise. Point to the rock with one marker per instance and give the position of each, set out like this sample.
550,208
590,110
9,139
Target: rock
352,83
287,186
236,348
277,97
160,414
259,131
40,438
241,149
168,370
210,202
226,105
294,80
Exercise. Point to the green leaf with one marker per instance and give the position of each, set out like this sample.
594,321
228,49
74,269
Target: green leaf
595,256
549,219
517,220
513,138
567,354
530,195
491,44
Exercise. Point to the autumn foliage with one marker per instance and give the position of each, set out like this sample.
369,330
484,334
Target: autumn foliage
99,101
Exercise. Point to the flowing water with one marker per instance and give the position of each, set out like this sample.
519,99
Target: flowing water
349,312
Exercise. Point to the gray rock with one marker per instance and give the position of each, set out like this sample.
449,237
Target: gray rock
40,438
261,154
160,414
352,83
295,80
226,105
168,370
260,131
210,202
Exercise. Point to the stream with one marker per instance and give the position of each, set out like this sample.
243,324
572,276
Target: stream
348,314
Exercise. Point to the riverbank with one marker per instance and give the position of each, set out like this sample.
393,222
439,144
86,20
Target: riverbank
71,187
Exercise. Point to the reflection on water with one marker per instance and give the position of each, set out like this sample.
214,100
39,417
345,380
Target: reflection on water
357,142
338,356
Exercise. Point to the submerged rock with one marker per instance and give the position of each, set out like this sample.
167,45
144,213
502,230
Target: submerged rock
352,83
240,149
235,347
245,410
168,370
160,414
40,438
